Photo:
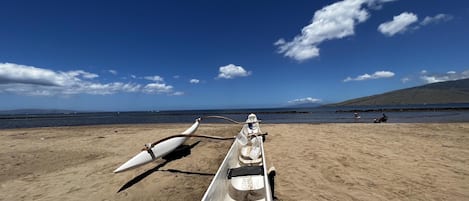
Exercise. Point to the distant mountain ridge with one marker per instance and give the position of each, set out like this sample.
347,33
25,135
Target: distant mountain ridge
36,111
436,93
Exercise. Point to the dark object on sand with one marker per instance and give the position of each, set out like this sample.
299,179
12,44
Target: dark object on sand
382,119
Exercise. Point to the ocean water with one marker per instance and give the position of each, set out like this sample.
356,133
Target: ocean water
396,114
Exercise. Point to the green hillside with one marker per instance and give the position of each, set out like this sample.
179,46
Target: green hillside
436,93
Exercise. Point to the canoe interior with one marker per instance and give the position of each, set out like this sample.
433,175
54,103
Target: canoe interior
247,187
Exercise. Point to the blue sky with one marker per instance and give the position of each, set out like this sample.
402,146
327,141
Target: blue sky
156,55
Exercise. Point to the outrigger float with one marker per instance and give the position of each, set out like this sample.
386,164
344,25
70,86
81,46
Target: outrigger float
243,173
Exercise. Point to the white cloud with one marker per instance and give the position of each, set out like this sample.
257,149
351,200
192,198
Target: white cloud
366,76
405,80
178,93
377,5
231,71
423,72
14,73
176,76
99,88
133,76
11,73
436,19
157,88
155,78
34,81
114,72
450,75
405,21
399,24
194,81
334,21
433,79
305,100
81,73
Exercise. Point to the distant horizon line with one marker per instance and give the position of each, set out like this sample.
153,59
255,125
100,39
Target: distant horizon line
158,110
68,111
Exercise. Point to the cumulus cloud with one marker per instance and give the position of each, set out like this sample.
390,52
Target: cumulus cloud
334,21
155,78
15,73
406,21
194,81
436,19
399,24
231,71
450,75
157,88
366,76
30,80
305,100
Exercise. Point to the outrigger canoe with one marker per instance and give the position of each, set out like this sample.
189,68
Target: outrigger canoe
161,149
243,173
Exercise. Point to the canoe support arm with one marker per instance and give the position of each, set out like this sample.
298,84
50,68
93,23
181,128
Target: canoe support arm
149,146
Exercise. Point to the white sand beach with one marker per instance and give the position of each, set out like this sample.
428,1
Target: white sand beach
313,162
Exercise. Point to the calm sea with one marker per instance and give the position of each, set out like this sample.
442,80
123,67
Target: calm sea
396,114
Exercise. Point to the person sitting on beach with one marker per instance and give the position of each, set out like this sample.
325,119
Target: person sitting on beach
382,119
356,115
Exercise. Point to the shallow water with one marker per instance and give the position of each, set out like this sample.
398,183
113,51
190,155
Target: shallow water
278,115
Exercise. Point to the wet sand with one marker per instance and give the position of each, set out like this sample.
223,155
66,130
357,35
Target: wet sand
313,162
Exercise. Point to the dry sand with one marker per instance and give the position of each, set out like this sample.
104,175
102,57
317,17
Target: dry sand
313,162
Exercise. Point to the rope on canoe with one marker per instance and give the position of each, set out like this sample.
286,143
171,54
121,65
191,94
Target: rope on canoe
222,117
183,135
148,147
228,119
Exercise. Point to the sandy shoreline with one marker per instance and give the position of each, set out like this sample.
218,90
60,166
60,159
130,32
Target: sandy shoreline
313,161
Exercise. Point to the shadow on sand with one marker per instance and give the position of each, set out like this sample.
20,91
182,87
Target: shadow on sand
180,152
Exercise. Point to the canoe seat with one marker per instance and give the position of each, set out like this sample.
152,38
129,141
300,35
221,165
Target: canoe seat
246,183
246,159
245,171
